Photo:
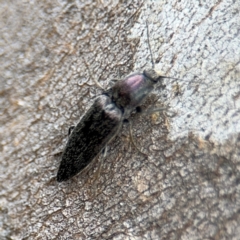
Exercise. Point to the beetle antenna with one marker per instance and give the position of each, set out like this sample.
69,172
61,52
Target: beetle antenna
149,46
171,78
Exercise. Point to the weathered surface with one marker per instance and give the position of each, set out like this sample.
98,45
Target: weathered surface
186,186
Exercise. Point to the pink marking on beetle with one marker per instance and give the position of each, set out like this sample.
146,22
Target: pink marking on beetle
134,81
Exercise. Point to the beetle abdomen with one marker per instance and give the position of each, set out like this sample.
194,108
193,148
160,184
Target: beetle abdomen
98,126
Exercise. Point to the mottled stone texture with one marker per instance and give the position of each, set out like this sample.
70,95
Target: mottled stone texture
184,183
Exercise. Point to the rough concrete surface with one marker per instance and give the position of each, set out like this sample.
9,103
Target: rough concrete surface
184,183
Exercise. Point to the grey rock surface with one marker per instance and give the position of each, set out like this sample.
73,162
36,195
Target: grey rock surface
184,183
